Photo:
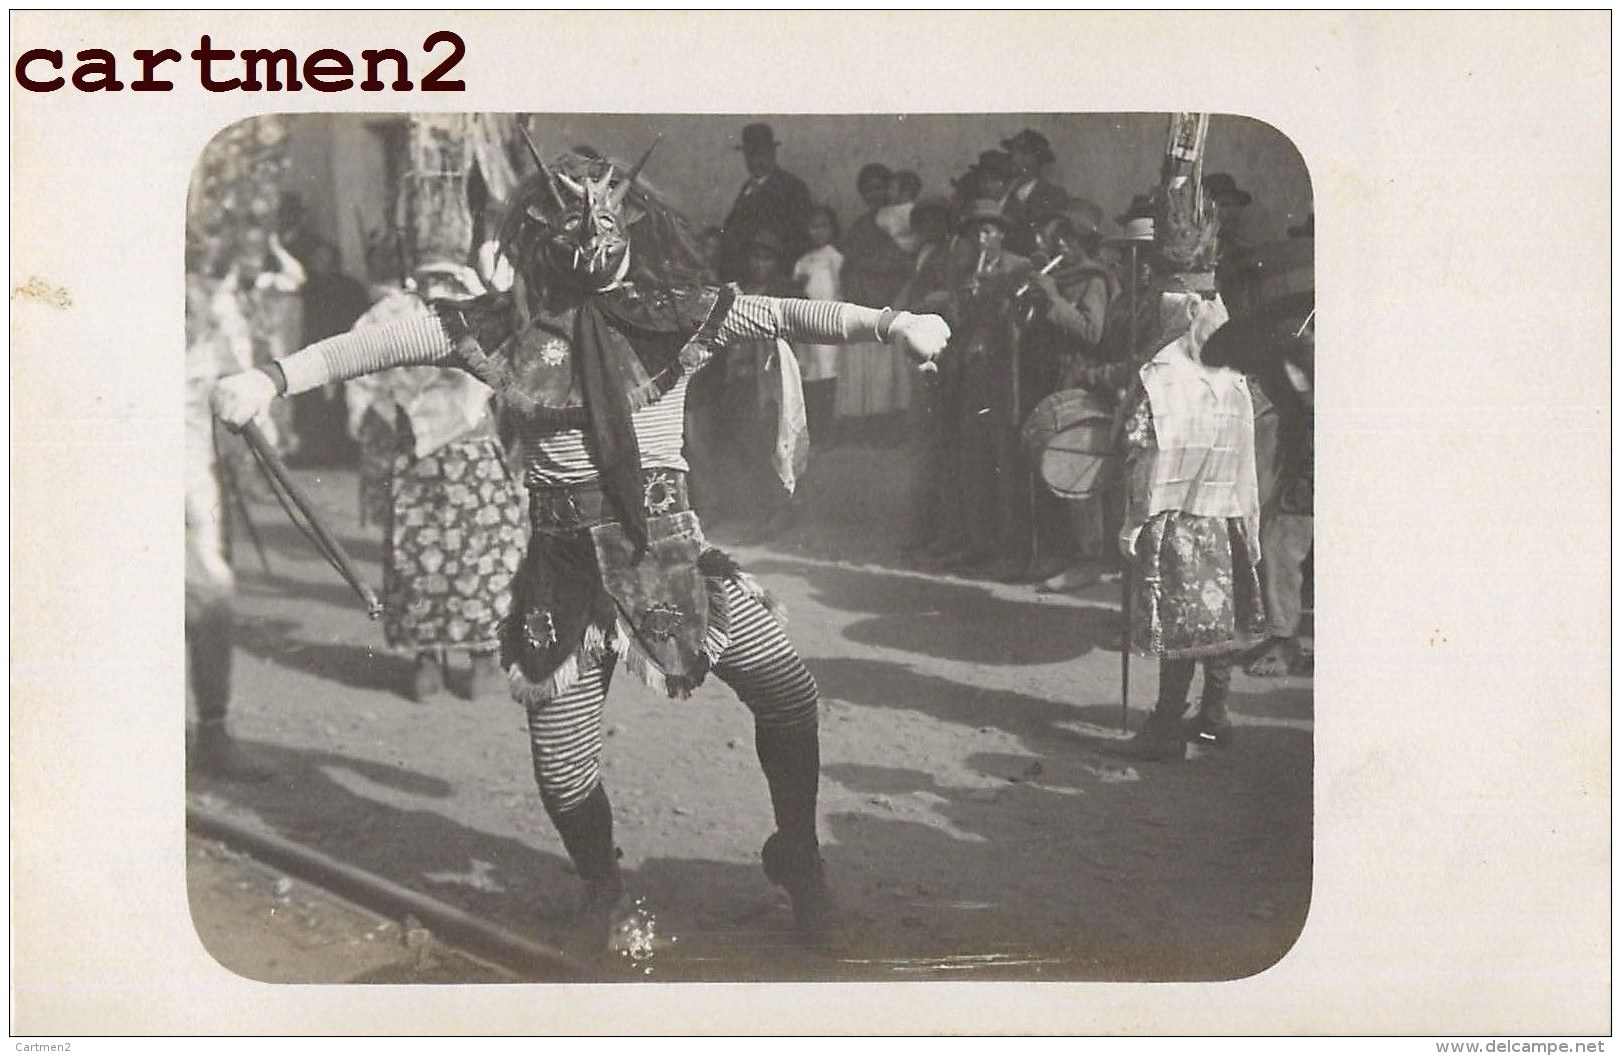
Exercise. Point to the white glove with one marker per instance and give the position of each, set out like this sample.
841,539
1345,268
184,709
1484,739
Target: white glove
922,336
241,398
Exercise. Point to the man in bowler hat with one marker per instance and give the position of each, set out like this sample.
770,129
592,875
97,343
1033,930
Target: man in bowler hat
1030,195
772,199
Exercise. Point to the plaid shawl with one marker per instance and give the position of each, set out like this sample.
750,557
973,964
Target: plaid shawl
1204,428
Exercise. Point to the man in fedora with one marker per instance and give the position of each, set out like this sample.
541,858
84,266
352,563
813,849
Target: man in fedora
1230,201
1030,196
772,199
991,493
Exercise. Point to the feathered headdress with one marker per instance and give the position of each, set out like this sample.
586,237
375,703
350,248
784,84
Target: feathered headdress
1185,234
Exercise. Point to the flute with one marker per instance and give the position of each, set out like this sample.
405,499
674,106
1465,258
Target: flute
1045,270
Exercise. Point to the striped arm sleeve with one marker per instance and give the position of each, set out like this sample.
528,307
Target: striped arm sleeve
816,322
411,342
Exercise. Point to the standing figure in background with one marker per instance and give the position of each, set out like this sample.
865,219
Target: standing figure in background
817,275
990,493
210,581
1230,201
933,435
757,400
871,381
1275,348
896,218
453,527
1069,313
772,199
993,175
253,306
332,303
1030,195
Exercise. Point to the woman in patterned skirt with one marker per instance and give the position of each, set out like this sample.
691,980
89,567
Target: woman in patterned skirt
453,517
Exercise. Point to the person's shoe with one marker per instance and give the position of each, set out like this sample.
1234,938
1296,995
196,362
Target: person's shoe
1076,577
1211,730
604,908
484,677
427,678
613,923
215,754
1275,660
797,868
1160,740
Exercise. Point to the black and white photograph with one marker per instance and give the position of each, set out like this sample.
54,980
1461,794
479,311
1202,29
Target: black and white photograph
804,523
876,454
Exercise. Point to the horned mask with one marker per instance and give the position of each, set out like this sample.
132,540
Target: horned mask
576,219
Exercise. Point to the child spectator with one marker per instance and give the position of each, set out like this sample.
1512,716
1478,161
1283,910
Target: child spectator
817,274
896,218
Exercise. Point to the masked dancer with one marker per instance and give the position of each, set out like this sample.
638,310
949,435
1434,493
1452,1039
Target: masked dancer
591,351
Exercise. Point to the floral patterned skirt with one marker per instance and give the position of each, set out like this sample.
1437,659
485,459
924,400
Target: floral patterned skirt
1195,592
455,533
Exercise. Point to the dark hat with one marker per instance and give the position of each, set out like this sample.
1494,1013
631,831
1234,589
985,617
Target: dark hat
1085,216
985,210
758,136
874,170
996,163
1141,208
1032,141
1137,222
1222,185
765,238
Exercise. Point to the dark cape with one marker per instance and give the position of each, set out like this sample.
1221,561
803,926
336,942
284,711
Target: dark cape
624,354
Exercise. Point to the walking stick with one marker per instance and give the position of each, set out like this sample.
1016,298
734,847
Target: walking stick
1126,560
292,497
1125,644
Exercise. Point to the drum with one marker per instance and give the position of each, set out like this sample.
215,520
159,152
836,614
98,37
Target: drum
1070,440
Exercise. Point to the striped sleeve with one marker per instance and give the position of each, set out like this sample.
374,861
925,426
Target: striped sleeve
411,342
754,317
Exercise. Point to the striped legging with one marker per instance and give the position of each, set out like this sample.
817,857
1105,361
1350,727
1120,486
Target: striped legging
757,661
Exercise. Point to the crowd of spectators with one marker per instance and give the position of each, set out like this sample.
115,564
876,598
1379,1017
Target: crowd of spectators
1040,302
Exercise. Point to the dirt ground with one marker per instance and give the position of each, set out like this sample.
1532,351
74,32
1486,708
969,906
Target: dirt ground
974,823
269,926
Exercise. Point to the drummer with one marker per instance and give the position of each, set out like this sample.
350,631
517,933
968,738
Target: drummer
1070,305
